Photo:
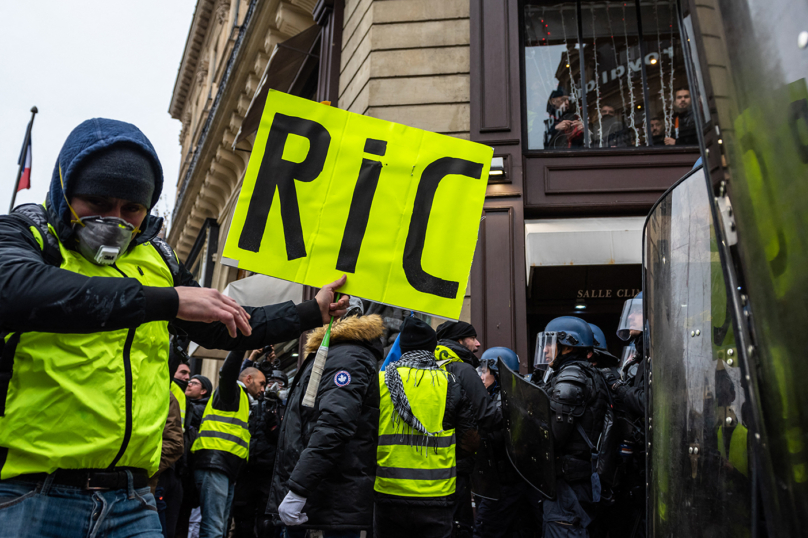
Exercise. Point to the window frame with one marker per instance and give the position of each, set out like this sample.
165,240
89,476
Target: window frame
589,151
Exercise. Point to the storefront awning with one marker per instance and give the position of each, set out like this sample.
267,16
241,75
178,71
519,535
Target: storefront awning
260,290
280,74
601,241
256,290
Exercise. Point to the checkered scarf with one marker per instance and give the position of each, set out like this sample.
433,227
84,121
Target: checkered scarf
417,360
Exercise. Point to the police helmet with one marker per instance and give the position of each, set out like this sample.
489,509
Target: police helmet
509,358
606,358
566,330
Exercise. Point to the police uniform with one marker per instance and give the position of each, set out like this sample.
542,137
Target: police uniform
579,401
518,505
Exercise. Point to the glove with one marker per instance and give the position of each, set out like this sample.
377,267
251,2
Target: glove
610,378
290,509
619,390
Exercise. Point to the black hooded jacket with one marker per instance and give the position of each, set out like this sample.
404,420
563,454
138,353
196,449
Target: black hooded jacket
327,453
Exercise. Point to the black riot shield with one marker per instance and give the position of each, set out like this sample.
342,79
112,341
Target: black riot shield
700,480
526,409
485,478
755,148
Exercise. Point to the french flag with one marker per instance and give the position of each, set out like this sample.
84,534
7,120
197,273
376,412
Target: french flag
25,156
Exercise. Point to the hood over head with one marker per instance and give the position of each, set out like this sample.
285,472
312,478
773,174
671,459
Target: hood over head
91,137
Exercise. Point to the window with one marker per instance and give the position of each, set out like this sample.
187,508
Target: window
597,76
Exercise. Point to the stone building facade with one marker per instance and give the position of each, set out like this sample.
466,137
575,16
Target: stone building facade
464,68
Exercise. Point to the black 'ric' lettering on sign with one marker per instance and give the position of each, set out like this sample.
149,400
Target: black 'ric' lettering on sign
416,236
276,172
375,147
358,215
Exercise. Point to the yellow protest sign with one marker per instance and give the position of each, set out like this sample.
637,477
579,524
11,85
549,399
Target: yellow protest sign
328,192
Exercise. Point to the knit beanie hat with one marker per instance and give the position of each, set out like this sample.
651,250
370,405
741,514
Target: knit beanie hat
456,330
417,335
120,171
206,384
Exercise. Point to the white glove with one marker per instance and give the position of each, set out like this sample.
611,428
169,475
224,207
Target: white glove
290,510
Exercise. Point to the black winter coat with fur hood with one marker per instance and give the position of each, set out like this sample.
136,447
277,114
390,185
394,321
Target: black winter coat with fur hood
327,454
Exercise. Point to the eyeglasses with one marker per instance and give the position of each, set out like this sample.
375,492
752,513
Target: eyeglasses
194,382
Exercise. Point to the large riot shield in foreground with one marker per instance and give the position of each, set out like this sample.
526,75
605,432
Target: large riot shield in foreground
756,146
526,410
700,482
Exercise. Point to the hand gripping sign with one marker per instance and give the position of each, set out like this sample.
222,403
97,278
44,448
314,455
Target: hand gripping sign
328,192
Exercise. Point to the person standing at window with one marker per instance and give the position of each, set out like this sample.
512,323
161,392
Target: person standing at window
684,124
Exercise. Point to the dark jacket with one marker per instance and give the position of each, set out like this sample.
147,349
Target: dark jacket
327,453
194,412
631,392
578,395
68,302
687,128
486,413
225,398
265,427
458,415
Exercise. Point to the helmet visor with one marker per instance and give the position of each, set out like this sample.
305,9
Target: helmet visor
629,355
546,347
630,319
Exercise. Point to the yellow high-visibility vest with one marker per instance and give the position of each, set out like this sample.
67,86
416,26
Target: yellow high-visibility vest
179,394
89,401
408,463
228,431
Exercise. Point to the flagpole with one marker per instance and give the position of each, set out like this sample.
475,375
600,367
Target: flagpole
22,161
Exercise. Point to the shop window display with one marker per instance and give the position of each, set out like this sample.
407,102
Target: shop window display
589,72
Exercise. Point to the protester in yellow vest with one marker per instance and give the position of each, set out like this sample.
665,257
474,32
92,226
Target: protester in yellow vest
87,291
426,424
223,443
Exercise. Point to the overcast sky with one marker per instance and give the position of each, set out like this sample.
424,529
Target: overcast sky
80,59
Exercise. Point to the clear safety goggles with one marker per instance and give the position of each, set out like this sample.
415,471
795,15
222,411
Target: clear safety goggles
546,348
630,319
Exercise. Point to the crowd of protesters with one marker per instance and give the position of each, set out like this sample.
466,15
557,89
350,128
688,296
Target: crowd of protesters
105,432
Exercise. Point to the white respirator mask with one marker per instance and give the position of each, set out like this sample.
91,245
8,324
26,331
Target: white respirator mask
103,240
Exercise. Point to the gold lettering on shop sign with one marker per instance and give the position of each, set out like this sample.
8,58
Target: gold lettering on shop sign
623,293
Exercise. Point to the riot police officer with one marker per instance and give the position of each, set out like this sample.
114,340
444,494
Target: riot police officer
579,402
627,518
602,359
498,517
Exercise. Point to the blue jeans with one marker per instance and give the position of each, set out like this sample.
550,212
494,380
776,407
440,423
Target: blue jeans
29,510
215,497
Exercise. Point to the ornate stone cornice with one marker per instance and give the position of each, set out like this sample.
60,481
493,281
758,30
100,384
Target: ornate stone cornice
190,57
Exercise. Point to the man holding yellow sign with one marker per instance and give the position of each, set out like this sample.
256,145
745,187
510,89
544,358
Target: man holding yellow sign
329,192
